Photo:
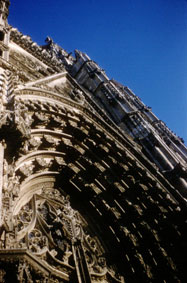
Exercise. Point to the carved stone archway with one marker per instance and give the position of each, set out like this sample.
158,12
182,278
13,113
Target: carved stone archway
114,222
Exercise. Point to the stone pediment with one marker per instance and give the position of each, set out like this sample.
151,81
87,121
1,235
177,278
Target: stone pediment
57,83
53,81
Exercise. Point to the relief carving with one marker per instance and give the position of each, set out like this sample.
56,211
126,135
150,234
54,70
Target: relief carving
24,274
10,191
51,229
22,120
6,117
2,274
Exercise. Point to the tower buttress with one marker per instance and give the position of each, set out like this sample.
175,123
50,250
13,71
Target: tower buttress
4,29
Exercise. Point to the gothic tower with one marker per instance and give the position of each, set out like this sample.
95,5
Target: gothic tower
92,183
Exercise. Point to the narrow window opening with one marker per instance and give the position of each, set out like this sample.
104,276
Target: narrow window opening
2,35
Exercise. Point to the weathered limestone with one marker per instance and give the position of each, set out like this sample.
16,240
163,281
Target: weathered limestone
90,180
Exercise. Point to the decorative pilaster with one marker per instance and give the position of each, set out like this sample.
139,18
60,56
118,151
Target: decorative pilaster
1,174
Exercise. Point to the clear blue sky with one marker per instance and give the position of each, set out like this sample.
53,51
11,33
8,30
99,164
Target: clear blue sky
140,43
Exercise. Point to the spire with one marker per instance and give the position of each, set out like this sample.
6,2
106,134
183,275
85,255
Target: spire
4,10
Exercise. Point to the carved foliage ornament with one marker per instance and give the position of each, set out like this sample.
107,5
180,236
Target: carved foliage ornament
54,232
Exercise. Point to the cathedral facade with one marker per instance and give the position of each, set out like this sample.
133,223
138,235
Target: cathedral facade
93,185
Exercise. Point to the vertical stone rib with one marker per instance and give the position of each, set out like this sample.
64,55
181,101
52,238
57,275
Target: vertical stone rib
1,175
80,263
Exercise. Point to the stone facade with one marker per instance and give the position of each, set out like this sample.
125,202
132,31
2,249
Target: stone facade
92,183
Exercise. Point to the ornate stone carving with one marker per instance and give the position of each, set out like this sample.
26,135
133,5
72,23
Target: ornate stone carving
77,95
27,169
49,227
24,274
2,274
6,118
34,142
51,141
